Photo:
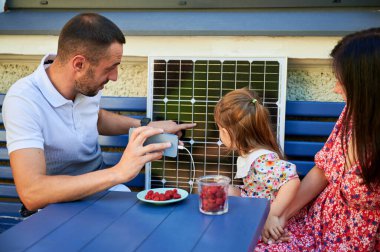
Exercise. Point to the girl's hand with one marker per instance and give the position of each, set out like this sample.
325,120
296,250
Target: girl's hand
272,228
266,235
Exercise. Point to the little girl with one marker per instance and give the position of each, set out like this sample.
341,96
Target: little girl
244,127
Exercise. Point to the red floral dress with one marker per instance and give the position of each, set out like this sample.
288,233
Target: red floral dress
344,217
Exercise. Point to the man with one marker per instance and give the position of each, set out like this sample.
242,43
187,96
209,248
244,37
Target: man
52,119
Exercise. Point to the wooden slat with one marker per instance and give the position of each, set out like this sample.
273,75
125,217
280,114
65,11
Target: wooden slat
2,96
10,209
302,149
308,128
6,172
4,154
303,167
135,104
2,135
114,141
111,158
8,191
314,109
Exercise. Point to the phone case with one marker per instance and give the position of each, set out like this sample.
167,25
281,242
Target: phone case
162,138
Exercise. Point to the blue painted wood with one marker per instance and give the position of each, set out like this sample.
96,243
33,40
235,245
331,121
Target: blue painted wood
111,158
308,128
8,191
302,148
119,222
232,22
314,109
111,205
9,215
138,223
4,154
24,235
303,167
6,172
134,104
308,123
2,134
10,208
114,141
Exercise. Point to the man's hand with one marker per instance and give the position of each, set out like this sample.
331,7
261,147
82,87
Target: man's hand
172,127
136,154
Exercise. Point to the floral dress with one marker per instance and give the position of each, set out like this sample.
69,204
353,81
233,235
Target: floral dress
344,217
263,174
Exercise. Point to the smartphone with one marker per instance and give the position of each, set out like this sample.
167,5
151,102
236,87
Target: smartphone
172,151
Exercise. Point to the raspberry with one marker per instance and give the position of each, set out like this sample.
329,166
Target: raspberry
167,195
212,198
176,196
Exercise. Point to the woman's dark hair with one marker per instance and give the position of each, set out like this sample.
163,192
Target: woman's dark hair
89,34
247,122
356,61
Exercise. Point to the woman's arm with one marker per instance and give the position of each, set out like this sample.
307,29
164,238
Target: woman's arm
312,185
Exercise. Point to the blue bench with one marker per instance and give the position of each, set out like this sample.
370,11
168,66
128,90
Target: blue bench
112,148
307,126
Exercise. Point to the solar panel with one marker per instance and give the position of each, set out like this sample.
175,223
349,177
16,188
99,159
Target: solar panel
186,90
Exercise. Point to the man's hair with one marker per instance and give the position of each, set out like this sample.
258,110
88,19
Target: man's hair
356,62
246,121
88,34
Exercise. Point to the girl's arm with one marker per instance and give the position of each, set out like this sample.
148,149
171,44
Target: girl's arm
286,194
312,185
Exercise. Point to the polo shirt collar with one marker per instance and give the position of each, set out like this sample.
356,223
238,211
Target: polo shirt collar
47,88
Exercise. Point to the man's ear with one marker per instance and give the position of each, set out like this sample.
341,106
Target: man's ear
78,63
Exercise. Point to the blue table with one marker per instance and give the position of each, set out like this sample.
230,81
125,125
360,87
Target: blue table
118,221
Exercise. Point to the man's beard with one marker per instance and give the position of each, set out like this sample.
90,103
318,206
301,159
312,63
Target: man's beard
84,84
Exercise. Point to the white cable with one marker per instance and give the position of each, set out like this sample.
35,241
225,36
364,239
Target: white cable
181,147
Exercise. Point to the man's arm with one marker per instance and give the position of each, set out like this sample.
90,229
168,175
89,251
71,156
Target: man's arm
114,124
110,123
37,189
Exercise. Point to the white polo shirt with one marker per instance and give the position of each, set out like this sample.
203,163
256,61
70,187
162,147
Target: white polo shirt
36,115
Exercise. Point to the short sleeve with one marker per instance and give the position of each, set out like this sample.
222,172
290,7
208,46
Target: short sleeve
21,121
274,172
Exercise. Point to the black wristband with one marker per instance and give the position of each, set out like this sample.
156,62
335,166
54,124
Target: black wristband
145,121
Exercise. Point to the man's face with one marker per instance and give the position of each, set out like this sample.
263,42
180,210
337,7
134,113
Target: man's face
97,76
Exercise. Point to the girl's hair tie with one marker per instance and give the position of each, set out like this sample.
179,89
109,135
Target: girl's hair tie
254,101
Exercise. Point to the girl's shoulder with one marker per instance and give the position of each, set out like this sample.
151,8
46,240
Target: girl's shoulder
244,163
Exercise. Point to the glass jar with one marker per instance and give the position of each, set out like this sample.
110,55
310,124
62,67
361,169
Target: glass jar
213,194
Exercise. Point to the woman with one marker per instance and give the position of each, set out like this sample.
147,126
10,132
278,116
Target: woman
345,214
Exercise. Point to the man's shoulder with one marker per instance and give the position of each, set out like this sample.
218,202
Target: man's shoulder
24,87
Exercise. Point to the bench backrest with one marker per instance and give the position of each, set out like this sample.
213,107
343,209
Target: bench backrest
307,127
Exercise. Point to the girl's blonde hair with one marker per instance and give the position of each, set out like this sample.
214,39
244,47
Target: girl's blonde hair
247,122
